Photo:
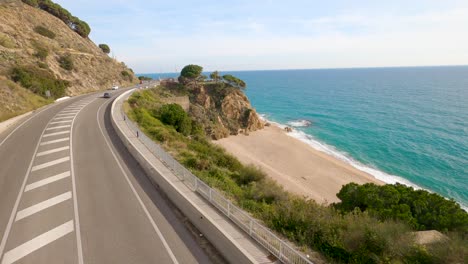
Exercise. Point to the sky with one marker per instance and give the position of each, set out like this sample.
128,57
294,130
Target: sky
163,36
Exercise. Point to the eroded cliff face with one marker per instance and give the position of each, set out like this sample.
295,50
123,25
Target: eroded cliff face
223,111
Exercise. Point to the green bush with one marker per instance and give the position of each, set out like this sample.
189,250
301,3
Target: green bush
419,208
66,62
32,3
105,48
174,115
127,76
44,32
39,80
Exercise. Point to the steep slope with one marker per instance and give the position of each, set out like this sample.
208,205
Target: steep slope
36,42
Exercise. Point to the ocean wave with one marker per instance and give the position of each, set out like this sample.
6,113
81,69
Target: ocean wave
300,123
332,151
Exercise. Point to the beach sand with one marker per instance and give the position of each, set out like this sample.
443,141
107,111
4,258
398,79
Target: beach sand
296,166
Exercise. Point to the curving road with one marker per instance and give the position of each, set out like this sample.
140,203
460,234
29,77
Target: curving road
70,193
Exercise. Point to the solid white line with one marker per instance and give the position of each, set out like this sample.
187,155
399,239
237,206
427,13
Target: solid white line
50,163
79,246
18,198
46,181
43,205
57,127
56,133
148,215
47,152
37,242
58,122
54,141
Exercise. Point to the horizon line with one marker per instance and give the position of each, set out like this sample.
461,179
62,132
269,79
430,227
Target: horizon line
337,68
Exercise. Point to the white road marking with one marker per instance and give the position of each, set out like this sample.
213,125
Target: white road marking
37,242
60,118
69,111
46,181
58,122
57,127
47,152
50,163
56,133
66,114
54,141
43,205
148,215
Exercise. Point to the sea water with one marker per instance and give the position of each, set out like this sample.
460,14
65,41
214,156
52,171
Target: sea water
407,125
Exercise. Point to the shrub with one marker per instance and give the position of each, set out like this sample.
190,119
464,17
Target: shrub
39,80
41,53
418,208
105,48
126,75
32,3
174,115
44,32
66,62
6,42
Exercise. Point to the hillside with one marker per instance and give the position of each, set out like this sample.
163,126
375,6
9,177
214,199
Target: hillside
34,43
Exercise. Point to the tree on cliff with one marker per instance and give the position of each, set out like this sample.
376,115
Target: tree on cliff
233,81
215,76
191,73
105,48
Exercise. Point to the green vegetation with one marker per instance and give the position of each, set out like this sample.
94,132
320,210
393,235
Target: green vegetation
191,73
44,32
174,115
341,236
41,52
77,25
66,62
105,48
127,76
418,208
234,81
6,41
144,78
39,80
16,100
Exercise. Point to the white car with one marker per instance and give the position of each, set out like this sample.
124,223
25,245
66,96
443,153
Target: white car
115,87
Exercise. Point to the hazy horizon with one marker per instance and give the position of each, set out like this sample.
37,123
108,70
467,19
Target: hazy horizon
159,36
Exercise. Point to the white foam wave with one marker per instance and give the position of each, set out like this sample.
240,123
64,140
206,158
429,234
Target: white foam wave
330,150
300,123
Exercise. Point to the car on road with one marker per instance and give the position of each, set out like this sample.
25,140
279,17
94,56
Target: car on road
107,95
115,87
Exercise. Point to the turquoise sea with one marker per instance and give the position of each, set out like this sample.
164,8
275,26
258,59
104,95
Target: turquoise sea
406,125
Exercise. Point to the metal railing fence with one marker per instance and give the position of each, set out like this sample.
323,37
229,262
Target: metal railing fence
279,248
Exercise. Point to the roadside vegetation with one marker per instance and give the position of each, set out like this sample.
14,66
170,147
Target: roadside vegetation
39,80
360,229
76,24
44,32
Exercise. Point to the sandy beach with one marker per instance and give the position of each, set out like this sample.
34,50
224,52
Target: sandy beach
295,165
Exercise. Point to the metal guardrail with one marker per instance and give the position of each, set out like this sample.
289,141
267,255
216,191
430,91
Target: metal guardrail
279,248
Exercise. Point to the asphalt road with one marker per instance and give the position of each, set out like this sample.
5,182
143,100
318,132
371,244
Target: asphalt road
70,193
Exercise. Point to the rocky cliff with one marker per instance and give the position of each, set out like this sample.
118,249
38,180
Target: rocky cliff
37,43
223,111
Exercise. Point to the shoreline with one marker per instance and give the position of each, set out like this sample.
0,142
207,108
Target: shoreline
294,164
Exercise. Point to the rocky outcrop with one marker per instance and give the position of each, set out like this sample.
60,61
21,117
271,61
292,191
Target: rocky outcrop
223,111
